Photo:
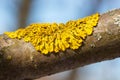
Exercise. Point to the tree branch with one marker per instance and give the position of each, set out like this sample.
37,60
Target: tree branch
19,60
24,9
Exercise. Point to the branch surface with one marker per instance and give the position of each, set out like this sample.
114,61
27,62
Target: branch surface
19,60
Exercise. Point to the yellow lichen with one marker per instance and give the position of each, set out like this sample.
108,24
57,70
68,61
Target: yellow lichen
52,37
9,57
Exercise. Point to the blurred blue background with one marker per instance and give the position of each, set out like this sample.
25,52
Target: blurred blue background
62,11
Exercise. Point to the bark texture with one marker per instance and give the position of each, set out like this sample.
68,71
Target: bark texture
19,60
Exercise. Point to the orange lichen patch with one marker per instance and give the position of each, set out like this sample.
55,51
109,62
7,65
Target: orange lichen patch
52,37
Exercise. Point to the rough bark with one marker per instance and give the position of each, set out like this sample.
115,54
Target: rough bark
19,60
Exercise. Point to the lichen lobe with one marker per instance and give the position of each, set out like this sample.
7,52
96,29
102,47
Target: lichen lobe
53,37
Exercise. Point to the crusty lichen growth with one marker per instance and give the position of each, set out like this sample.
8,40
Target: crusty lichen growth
117,20
46,37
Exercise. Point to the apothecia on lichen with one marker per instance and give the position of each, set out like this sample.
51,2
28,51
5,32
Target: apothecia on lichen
53,37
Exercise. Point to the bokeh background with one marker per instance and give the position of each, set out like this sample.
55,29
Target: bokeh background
20,13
